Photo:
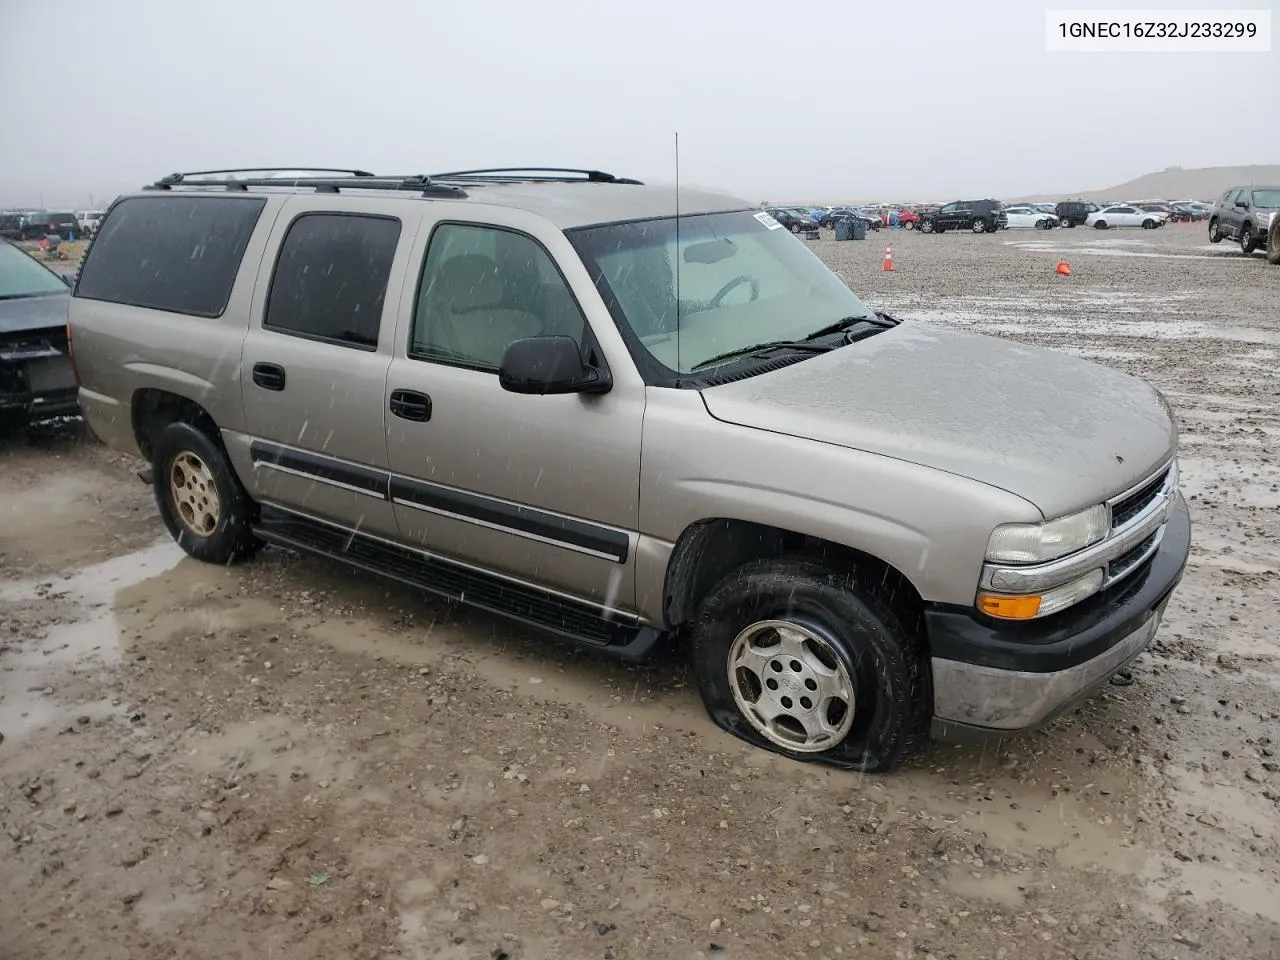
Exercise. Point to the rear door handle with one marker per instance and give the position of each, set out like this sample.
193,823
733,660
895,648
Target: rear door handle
411,405
269,376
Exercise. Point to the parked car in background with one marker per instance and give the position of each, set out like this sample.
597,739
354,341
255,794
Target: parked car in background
1073,213
1244,214
1029,216
1125,216
11,226
980,216
794,220
40,224
88,220
37,379
848,213
908,219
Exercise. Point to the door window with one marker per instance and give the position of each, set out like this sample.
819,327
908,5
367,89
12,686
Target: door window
482,288
331,277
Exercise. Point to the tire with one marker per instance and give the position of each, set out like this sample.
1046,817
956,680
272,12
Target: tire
1215,232
978,227
1148,224
1100,225
202,502
909,225
851,641
1248,242
1068,222
926,226
1273,245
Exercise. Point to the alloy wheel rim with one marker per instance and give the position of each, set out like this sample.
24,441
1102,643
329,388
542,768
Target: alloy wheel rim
790,685
194,494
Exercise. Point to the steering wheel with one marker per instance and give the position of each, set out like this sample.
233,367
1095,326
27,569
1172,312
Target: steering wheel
733,285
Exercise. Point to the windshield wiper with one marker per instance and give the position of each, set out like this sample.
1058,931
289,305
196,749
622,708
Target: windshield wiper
878,319
769,346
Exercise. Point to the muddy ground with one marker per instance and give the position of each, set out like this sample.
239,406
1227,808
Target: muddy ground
288,760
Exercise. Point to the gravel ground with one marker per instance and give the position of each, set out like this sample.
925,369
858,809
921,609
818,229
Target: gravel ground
288,760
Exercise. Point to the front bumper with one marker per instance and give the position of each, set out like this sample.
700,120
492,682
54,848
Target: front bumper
994,679
37,383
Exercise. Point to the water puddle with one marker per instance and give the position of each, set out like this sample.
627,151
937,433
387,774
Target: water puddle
272,747
91,636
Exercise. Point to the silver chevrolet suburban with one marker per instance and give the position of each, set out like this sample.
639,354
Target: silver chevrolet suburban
547,394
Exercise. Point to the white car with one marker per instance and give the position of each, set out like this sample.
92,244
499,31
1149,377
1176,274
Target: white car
1124,216
1028,216
89,220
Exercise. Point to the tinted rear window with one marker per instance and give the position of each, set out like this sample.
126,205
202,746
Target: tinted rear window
179,254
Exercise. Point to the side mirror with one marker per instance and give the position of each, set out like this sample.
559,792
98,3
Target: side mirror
543,365
1242,204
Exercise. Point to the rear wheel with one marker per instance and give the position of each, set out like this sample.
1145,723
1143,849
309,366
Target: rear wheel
809,662
1148,224
1100,225
909,225
201,500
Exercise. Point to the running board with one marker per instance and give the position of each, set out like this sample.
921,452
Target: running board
556,617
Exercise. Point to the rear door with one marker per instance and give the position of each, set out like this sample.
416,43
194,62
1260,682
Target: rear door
544,489
314,367
1231,214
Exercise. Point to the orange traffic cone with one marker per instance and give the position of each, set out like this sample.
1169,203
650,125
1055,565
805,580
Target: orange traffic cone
1064,268
888,259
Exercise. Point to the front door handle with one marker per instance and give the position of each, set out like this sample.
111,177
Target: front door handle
411,405
269,376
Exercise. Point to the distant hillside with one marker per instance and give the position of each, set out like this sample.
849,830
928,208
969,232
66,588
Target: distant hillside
1175,183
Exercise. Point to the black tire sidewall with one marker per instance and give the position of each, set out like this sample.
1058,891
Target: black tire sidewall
889,675
232,540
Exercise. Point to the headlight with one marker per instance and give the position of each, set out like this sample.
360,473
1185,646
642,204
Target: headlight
1039,542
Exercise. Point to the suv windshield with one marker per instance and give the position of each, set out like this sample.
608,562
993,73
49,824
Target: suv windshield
1266,198
742,280
20,276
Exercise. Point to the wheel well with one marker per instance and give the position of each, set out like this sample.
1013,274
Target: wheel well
153,410
708,551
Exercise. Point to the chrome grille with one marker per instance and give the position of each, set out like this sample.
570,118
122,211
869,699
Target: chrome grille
1130,504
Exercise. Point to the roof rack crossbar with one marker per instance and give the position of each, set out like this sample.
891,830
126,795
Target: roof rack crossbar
424,185
180,177
533,174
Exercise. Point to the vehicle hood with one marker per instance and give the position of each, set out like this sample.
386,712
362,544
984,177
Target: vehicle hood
1058,431
34,313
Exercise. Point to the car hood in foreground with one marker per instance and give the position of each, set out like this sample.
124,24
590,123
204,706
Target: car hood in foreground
34,313
1061,432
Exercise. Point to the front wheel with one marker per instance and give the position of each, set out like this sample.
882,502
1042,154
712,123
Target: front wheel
201,500
1273,243
1248,242
809,662
926,226
1215,232
979,227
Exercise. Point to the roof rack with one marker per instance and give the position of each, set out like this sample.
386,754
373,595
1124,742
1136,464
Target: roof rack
534,175
354,180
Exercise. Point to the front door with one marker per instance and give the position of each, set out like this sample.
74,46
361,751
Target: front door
540,488
315,362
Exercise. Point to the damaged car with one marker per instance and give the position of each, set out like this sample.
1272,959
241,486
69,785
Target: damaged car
37,379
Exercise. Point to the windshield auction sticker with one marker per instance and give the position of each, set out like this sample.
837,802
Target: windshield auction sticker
768,221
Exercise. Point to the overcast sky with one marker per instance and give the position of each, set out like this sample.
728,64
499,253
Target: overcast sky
808,98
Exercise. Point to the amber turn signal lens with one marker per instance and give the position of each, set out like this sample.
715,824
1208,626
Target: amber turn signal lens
1009,608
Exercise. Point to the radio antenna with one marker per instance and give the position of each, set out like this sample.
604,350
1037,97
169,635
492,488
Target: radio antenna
678,259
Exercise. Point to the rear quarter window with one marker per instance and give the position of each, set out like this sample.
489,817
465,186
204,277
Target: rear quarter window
178,254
